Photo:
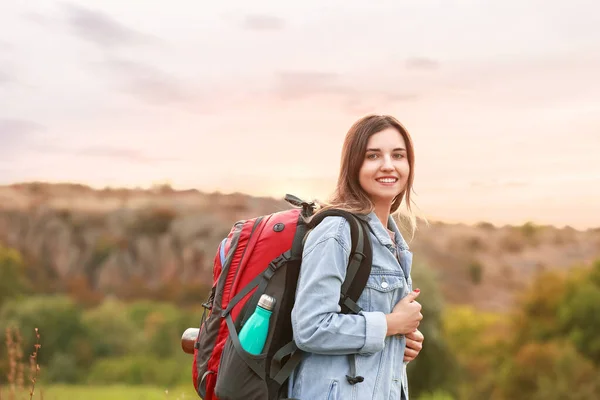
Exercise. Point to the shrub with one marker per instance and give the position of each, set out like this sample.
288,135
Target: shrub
109,329
512,243
58,319
550,371
435,367
529,230
475,243
579,313
13,281
154,222
62,368
437,395
486,225
475,270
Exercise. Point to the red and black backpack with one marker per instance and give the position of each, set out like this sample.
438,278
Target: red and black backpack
263,255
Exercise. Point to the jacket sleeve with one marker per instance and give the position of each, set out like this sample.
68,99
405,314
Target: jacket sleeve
317,323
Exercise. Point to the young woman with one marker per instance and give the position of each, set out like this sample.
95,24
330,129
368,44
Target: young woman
360,356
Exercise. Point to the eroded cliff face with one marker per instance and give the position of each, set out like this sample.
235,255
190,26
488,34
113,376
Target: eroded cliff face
133,243
111,238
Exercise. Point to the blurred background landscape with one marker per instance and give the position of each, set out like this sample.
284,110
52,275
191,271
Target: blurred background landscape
133,136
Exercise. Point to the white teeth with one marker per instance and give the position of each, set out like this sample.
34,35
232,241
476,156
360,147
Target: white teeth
387,180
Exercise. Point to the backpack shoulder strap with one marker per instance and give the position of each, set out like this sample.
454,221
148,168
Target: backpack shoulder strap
357,274
359,262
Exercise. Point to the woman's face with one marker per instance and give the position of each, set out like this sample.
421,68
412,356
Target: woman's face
385,169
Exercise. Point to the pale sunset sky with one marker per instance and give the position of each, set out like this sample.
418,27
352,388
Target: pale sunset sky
502,98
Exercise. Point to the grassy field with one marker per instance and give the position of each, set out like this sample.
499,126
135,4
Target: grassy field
116,392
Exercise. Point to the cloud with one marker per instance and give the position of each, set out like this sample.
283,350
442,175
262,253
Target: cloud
400,97
5,78
102,29
263,22
422,63
105,151
144,82
38,18
297,85
14,135
150,84
16,128
494,183
353,98
120,153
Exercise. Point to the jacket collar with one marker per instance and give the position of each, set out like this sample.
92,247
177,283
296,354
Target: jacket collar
381,232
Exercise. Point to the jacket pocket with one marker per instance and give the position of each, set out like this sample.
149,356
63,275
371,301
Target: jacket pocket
382,292
334,392
396,390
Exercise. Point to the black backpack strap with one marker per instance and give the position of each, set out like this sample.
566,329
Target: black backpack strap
357,274
359,263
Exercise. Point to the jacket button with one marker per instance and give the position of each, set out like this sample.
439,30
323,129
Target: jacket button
384,285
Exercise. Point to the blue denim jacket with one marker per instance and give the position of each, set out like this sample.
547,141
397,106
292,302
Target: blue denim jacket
328,336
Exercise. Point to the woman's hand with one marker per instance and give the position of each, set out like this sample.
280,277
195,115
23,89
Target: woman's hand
414,345
406,315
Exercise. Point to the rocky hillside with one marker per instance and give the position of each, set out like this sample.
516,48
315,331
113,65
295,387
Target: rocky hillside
130,242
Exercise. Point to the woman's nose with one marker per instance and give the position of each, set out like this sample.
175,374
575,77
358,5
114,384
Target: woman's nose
387,164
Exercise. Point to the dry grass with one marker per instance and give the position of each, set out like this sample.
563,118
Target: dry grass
16,372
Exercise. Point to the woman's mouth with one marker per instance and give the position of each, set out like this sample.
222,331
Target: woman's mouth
387,180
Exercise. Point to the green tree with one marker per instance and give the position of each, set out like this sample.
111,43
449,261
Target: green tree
478,340
435,367
57,318
475,270
535,317
110,331
579,313
12,274
162,325
550,371
560,305
555,350
437,395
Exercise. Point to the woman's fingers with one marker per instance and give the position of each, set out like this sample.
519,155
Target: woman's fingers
410,354
416,335
414,345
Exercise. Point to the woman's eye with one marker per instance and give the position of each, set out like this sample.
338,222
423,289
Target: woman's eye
399,156
372,156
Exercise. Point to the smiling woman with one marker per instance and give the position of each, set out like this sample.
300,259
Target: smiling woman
378,155
364,354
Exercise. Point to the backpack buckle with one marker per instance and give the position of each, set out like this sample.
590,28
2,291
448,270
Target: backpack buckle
279,261
308,209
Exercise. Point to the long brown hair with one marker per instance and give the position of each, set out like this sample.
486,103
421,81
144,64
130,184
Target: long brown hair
348,194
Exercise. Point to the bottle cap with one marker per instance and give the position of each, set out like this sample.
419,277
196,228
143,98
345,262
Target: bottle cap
267,302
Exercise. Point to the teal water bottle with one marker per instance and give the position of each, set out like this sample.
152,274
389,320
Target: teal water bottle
256,329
